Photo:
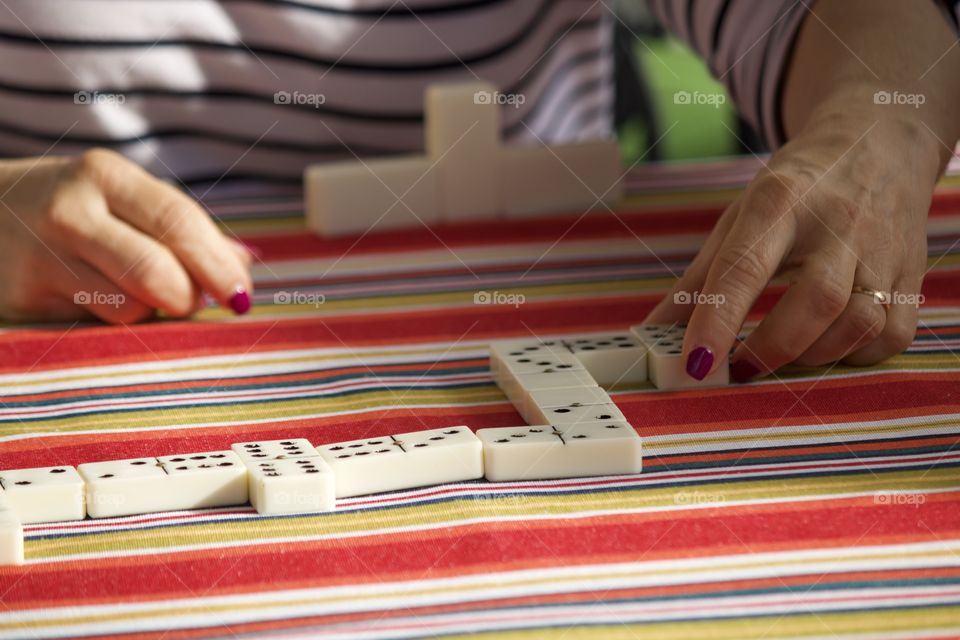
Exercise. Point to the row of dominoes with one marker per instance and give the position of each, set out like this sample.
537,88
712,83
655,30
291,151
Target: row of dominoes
574,429
293,476
466,173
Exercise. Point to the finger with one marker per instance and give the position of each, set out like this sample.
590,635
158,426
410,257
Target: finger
805,311
174,219
136,263
861,322
97,295
671,308
899,328
245,253
748,258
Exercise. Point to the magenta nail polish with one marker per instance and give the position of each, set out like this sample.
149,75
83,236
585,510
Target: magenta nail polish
240,301
743,371
699,362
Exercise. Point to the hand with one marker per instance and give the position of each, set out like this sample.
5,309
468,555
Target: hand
843,204
97,235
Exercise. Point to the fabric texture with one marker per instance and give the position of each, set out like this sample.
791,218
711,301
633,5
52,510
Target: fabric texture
820,503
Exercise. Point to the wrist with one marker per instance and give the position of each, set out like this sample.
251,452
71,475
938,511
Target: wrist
899,124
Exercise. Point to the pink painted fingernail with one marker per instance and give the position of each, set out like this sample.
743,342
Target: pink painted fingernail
743,371
240,301
699,362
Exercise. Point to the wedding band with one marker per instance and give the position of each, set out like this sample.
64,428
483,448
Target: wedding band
879,297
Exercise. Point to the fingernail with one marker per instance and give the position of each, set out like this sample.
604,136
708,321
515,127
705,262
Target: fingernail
240,301
743,370
699,362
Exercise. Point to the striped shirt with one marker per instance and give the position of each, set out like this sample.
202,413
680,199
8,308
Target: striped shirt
231,92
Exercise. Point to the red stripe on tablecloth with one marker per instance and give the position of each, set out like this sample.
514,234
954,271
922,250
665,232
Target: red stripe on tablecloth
477,548
20,350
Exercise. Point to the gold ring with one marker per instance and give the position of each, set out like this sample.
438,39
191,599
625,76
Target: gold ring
879,297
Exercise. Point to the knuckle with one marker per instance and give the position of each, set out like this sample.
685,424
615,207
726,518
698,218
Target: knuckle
829,299
68,220
742,267
773,193
97,163
147,269
866,322
846,212
898,336
173,219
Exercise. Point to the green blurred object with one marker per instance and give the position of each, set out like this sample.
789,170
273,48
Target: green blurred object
688,102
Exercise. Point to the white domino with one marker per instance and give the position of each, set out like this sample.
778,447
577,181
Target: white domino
287,476
537,403
152,485
48,494
546,452
123,487
582,415
11,534
378,194
292,485
462,135
521,368
404,461
665,365
209,479
613,358
566,178
273,449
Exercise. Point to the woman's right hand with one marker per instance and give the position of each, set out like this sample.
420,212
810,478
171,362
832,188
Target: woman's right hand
97,235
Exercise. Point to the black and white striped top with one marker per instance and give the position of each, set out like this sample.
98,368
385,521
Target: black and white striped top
231,92
259,88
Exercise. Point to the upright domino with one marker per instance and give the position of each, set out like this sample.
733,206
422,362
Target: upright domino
152,485
462,135
48,494
665,364
380,194
11,534
546,452
287,476
566,178
404,461
520,368
612,358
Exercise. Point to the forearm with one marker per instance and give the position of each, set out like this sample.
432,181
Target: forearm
848,50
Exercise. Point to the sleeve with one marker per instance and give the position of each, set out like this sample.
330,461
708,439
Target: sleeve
747,45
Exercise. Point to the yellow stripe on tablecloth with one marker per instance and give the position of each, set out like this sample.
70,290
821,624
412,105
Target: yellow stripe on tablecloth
819,625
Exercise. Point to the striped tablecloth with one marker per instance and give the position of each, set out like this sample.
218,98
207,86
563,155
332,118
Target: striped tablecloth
819,503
